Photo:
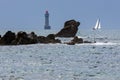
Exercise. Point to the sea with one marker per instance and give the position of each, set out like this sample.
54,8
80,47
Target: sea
86,61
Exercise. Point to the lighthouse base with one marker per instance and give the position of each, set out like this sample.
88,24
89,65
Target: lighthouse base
47,27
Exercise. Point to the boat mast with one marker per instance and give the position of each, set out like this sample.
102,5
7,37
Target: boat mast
97,26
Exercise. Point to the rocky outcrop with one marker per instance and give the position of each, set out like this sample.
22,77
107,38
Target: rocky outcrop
70,29
33,37
10,38
49,39
75,40
7,38
24,38
87,42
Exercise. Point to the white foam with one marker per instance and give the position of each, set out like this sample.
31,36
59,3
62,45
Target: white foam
100,43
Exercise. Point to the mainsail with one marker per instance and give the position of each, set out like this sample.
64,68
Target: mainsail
98,25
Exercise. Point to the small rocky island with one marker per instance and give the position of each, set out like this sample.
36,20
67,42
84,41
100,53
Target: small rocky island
22,38
10,38
69,30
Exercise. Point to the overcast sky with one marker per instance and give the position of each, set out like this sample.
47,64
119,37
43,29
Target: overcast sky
27,14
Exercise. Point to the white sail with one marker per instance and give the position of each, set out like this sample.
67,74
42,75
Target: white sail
97,25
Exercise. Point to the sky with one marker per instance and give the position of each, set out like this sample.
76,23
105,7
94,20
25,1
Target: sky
29,14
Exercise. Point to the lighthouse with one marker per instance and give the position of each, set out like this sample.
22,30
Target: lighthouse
47,26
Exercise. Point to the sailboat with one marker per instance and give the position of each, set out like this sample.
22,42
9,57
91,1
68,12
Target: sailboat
96,27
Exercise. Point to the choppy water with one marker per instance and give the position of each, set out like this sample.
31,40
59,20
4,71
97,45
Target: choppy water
97,61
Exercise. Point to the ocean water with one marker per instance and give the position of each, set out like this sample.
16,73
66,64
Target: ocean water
95,61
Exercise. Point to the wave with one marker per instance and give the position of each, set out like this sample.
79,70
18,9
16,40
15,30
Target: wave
100,43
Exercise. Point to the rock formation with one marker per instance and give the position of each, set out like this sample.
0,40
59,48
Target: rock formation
7,38
87,42
10,38
70,29
24,38
49,39
21,38
75,40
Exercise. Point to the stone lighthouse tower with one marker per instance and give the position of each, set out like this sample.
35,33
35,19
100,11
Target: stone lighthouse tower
47,26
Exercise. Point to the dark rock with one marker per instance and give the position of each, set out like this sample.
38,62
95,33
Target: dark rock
14,42
57,41
51,36
87,42
33,37
8,38
2,42
77,40
70,43
54,41
0,39
49,39
42,39
24,38
24,41
21,34
70,29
